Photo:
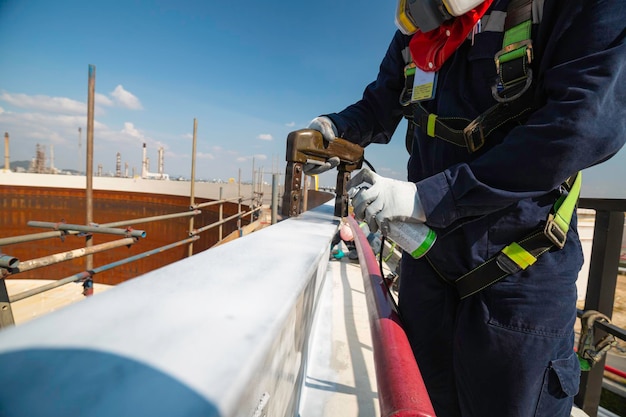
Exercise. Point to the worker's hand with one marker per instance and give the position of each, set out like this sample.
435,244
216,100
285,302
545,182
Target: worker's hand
325,126
378,200
329,132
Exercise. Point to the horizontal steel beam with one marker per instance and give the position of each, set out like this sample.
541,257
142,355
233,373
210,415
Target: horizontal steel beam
222,333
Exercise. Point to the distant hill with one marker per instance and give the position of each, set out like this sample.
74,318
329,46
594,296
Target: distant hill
26,164
19,164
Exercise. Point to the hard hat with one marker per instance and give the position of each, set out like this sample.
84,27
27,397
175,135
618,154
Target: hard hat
427,15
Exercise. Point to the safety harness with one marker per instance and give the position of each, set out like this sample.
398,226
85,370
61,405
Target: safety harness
512,92
514,100
520,255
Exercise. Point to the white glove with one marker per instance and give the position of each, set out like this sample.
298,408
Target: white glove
325,126
378,200
329,132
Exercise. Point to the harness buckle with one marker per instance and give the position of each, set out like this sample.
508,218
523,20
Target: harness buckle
527,43
506,264
474,134
554,232
497,94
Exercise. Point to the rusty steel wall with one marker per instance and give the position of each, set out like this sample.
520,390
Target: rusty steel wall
19,205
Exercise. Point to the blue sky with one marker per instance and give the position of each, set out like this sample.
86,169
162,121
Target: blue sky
249,72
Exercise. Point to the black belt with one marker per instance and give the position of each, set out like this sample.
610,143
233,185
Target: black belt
522,254
467,133
500,266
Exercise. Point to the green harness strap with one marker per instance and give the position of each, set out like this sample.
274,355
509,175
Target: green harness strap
520,255
512,90
513,60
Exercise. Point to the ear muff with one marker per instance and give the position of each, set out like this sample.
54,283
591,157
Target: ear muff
404,22
427,15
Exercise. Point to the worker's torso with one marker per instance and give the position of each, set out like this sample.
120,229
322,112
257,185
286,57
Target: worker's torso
463,89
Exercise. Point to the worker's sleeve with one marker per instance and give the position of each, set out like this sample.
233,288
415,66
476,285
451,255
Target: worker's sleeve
582,123
374,118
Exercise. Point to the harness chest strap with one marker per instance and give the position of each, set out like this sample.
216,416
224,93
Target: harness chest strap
511,91
520,255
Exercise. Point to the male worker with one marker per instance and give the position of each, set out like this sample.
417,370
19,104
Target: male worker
506,101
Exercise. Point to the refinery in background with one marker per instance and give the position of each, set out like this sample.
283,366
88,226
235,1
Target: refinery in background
42,163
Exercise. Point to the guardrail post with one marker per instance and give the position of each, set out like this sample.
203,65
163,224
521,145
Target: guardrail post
91,97
6,314
604,264
221,228
192,191
274,198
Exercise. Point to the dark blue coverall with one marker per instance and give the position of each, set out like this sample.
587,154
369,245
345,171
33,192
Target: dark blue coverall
508,350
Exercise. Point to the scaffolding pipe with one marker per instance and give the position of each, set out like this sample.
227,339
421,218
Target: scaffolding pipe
89,171
212,225
48,287
193,181
213,203
72,254
152,219
221,216
226,220
6,313
8,261
274,198
88,274
240,199
90,229
251,211
7,159
32,237
57,233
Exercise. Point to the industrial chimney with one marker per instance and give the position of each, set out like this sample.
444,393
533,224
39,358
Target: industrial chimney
161,162
144,163
118,165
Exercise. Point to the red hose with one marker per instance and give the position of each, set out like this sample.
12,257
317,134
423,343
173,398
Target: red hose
401,389
615,371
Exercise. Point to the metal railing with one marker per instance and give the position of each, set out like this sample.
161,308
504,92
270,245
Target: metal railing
601,285
10,265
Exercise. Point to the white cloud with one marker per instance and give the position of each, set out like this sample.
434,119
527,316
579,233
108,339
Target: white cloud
202,155
38,120
132,131
1,110
257,157
290,124
103,100
44,103
265,136
125,98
